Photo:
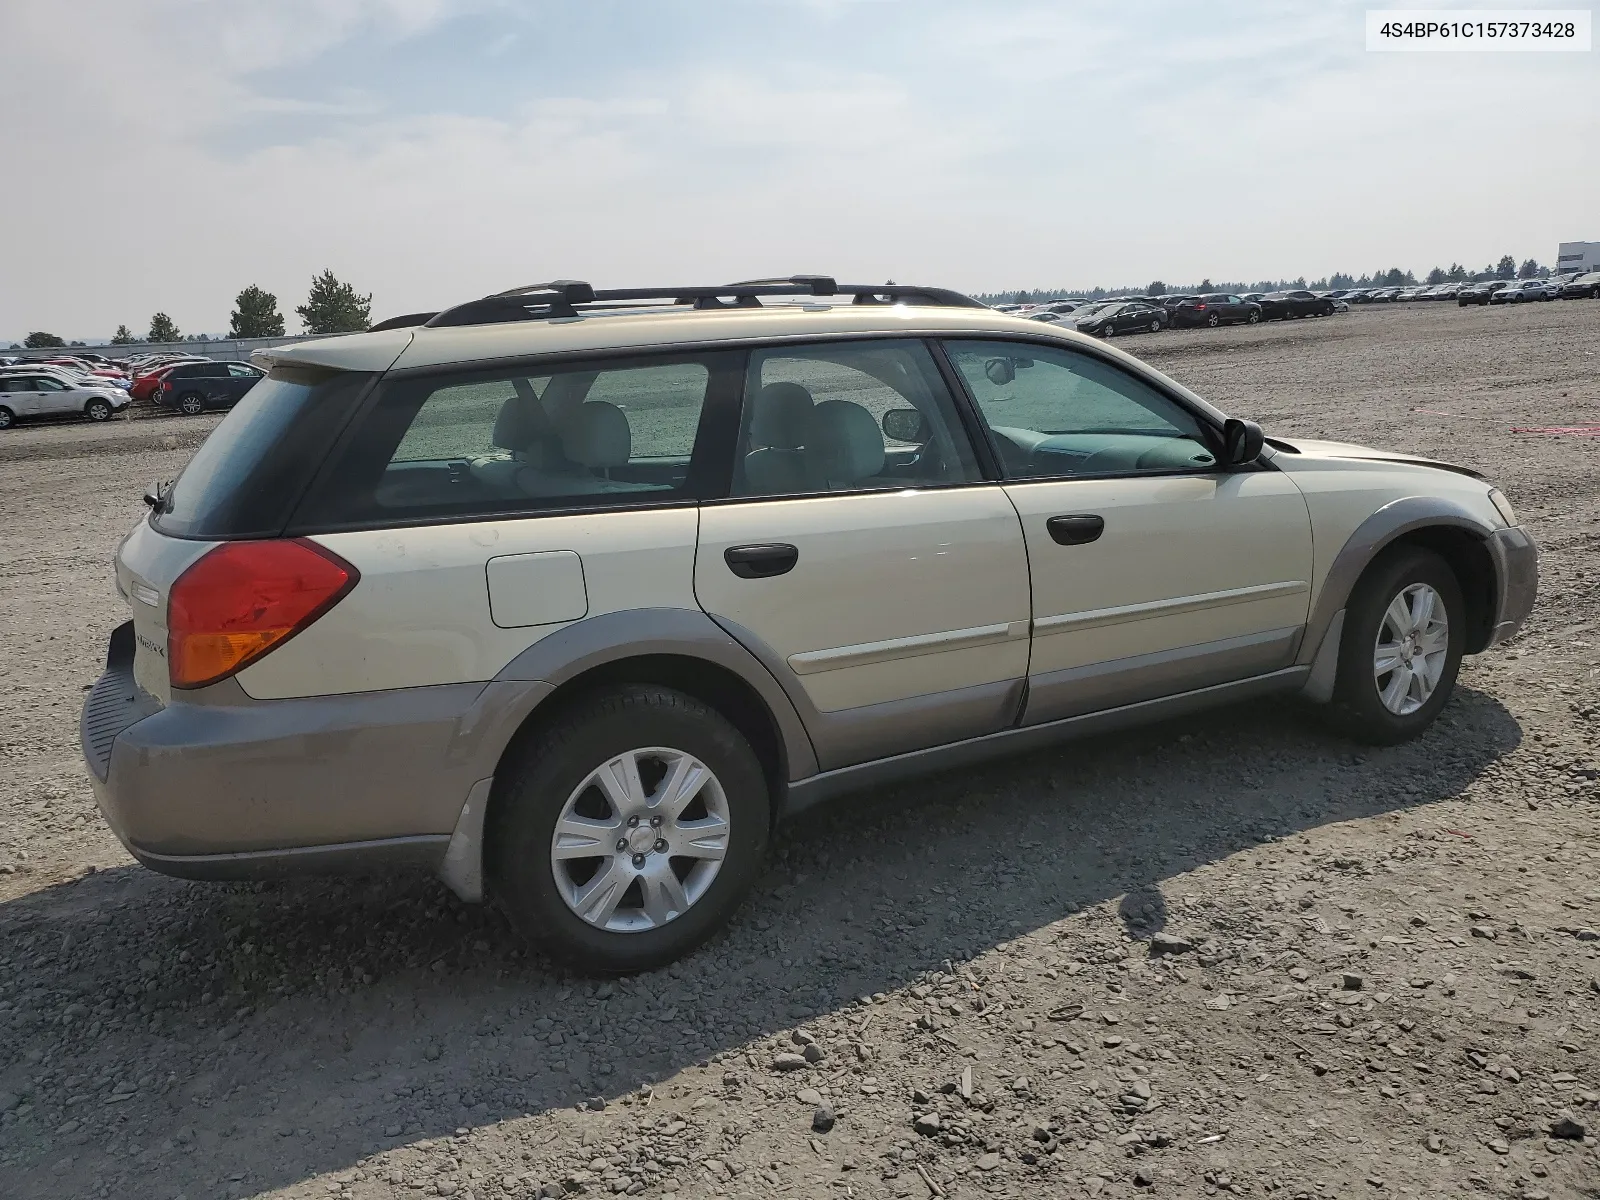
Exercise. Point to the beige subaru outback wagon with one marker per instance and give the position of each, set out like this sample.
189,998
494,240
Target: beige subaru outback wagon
571,594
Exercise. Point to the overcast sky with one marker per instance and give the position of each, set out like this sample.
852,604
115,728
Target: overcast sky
162,154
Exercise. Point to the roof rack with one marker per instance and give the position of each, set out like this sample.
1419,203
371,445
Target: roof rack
571,297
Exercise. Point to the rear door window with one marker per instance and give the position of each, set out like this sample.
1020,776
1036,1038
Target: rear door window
466,444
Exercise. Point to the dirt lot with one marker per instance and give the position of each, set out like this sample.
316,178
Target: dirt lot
1392,985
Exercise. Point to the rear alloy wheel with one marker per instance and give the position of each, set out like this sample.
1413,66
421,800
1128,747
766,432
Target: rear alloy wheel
1404,633
98,410
1213,320
191,404
629,832
7,417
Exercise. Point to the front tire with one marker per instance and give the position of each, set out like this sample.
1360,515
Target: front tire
7,417
1404,634
98,410
1254,318
627,833
191,404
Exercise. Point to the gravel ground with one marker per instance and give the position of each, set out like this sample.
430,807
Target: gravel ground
1230,955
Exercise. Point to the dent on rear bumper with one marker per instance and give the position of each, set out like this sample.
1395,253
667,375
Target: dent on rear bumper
235,788
1516,568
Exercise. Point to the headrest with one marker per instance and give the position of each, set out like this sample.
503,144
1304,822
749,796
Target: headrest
598,436
780,416
845,445
521,423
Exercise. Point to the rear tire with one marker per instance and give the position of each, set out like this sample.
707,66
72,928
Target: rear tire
1381,630
1213,320
98,410
7,417
548,783
191,404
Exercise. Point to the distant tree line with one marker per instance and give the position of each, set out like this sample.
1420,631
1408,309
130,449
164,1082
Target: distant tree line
331,307
1506,268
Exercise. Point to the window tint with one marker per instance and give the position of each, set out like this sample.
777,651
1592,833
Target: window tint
616,432
49,385
848,416
246,477
1056,412
240,371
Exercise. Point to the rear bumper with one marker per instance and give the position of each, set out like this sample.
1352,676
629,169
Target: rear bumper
226,787
1516,568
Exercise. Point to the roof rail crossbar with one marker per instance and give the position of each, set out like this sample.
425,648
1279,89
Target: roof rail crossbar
562,298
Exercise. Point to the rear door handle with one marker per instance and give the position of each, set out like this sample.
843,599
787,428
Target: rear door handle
761,561
1075,530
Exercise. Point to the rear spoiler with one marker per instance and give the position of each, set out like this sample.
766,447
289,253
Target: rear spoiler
352,352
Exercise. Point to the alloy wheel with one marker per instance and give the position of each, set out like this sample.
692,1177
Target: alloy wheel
640,840
1412,646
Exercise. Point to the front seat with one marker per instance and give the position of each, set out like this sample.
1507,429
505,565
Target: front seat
780,423
846,446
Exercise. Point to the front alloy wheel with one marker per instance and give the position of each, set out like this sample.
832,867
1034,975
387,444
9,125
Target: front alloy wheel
1409,655
1404,634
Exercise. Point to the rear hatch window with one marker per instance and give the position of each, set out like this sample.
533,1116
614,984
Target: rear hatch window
246,477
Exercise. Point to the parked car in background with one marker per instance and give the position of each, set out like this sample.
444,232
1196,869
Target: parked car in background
1479,293
33,393
1124,316
1518,292
1216,308
1299,303
1582,287
192,388
1340,304
147,382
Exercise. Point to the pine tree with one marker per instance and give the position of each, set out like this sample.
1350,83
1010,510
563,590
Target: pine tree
256,316
162,329
334,307
123,337
41,340
1506,268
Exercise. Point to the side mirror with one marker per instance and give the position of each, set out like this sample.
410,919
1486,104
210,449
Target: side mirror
1000,371
1242,442
905,425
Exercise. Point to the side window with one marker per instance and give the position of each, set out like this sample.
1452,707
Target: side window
49,385
239,371
848,416
1055,412
617,432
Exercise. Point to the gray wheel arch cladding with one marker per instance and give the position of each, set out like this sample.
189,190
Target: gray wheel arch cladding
570,653
1320,647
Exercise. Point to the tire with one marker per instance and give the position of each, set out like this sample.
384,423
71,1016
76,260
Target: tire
1253,319
1109,331
551,781
7,417
191,404
1213,320
1391,586
1155,326
98,410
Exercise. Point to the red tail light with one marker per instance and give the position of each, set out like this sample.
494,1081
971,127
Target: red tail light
1201,307
242,599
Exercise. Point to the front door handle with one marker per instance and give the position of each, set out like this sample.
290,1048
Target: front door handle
762,561
1075,530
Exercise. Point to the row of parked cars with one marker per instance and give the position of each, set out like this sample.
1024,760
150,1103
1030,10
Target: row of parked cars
1151,314
96,388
